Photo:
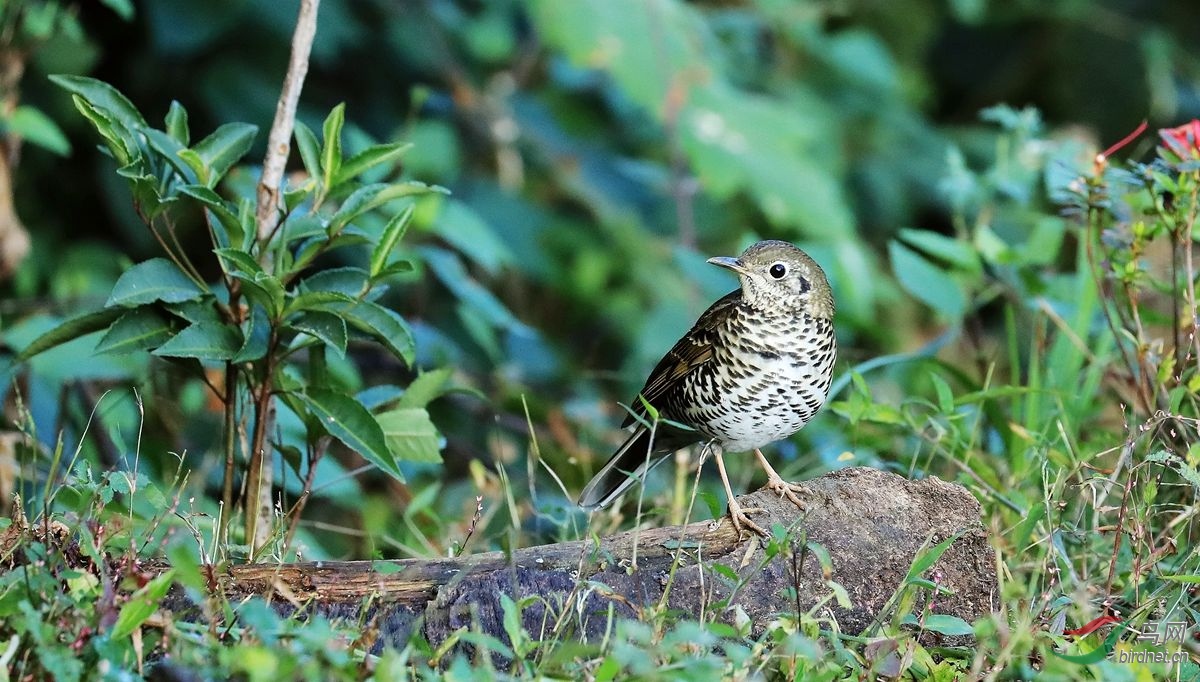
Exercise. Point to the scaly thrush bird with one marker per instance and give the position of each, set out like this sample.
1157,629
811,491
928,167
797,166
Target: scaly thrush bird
753,370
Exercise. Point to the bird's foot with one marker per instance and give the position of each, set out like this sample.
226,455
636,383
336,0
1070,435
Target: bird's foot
740,516
785,489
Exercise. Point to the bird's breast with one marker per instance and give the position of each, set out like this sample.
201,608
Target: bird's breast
767,377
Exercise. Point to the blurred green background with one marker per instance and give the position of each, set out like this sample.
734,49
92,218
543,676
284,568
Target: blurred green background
597,151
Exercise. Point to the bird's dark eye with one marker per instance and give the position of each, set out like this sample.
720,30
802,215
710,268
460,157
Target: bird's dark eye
778,270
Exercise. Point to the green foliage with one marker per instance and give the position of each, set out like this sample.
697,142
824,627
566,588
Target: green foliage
269,323
1025,312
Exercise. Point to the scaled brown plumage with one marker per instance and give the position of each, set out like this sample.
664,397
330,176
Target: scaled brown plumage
753,369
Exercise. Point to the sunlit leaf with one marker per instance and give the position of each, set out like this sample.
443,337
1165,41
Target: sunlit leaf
369,158
426,387
952,626
331,152
411,435
928,556
141,605
393,232
372,196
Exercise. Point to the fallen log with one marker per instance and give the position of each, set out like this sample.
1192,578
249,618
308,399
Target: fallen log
870,524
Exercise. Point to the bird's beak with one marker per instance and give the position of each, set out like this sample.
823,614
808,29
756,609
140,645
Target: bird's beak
729,262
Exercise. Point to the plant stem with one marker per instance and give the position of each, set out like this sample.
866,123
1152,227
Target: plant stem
1093,235
279,140
260,477
230,446
315,456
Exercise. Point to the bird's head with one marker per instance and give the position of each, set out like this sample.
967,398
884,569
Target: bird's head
778,275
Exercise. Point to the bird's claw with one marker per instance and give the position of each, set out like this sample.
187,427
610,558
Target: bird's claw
785,489
740,515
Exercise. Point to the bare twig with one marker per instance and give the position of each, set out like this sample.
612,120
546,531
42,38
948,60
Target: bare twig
261,475
279,141
318,451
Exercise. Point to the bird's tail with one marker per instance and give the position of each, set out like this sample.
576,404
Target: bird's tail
637,455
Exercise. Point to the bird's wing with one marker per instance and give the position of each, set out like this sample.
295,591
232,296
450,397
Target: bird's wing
690,352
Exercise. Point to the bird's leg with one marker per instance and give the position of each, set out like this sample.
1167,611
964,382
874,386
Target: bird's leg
776,483
737,513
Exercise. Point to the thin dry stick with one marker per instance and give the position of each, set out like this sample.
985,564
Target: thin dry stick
293,515
261,470
279,141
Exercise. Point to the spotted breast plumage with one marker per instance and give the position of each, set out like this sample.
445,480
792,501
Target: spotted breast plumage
754,369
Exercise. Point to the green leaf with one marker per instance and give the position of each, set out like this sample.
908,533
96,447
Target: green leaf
37,128
168,149
196,311
349,281
382,324
1179,464
928,283
203,341
944,395
141,605
928,556
393,232
427,387
157,279
369,197
960,254
102,96
325,326
310,150
369,158
239,259
952,626
394,268
223,148
331,153
235,231
484,305
139,329
257,294
176,122
823,558
69,330
346,419
122,8
256,332
471,235
317,300
274,288
116,135
411,435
